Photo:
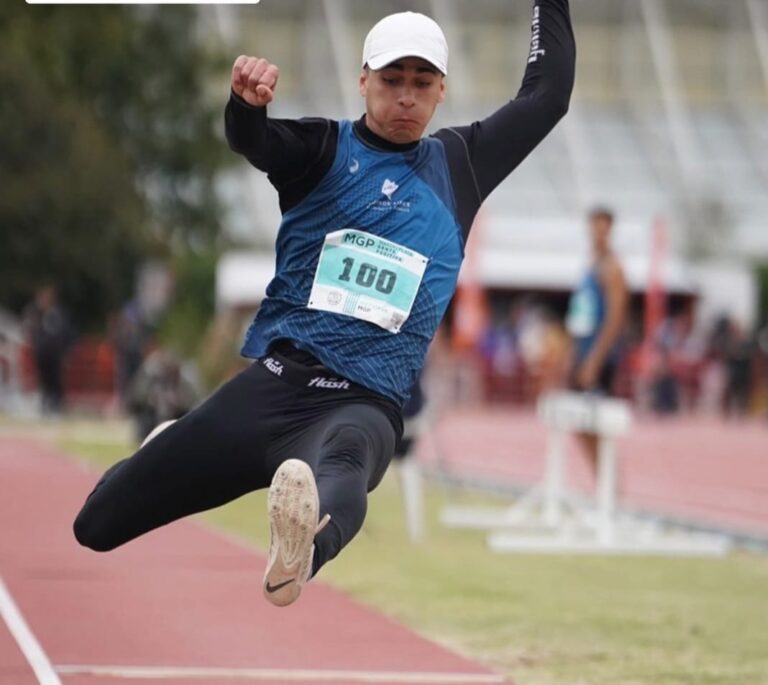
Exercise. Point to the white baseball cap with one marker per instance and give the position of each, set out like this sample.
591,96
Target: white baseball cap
405,34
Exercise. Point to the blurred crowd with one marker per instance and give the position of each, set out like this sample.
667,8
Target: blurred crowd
126,371
525,350
717,369
683,367
152,383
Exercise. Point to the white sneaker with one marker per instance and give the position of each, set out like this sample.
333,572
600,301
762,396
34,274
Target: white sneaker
293,508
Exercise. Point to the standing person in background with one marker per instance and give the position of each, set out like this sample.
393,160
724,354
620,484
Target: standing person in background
129,339
50,335
596,317
375,218
740,365
159,391
762,375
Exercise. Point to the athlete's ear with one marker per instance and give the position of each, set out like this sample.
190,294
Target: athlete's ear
363,82
441,97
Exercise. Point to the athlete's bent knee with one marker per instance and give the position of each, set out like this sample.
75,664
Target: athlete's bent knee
350,443
89,533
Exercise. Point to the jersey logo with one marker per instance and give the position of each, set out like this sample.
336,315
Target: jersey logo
389,188
353,168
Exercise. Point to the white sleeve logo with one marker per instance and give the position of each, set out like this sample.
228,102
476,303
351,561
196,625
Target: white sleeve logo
536,49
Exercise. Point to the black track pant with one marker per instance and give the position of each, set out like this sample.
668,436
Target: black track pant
234,442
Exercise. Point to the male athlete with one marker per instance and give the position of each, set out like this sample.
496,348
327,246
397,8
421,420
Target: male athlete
596,316
375,218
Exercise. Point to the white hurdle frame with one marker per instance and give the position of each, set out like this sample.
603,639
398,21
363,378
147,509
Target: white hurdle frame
548,519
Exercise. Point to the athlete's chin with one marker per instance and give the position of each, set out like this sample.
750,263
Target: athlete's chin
405,132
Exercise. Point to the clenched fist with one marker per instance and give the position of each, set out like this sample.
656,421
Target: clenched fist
254,79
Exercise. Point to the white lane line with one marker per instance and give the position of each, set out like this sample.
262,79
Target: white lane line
27,642
311,676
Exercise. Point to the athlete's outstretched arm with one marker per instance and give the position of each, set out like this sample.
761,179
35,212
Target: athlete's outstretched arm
498,144
288,150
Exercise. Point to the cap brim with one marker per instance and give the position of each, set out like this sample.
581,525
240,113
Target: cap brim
386,58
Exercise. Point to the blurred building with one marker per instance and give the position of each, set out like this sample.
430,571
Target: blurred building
669,119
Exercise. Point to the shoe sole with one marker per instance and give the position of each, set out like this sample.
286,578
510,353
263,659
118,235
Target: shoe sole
293,507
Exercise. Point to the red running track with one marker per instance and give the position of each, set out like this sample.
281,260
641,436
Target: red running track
179,598
709,471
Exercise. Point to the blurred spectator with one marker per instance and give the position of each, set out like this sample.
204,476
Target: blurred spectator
665,395
499,348
712,380
129,339
159,391
553,362
719,337
739,356
689,358
501,355
667,365
545,347
762,376
762,340
50,336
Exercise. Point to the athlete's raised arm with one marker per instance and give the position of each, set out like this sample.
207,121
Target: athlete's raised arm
254,79
292,152
498,144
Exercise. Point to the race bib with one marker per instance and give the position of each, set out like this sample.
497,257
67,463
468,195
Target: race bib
367,277
582,314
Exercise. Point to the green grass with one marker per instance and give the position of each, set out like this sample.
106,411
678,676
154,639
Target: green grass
543,620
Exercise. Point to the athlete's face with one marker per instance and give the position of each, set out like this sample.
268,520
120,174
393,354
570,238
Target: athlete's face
401,98
600,228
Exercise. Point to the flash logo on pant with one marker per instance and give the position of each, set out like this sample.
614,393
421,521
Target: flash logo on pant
328,383
274,366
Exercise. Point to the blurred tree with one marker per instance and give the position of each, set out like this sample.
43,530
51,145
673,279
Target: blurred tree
108,147
69,212
192,308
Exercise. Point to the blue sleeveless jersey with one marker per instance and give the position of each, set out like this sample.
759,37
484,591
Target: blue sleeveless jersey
403,197
586,313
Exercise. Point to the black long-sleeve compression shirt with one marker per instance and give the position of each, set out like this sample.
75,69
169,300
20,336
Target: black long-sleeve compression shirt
296,154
